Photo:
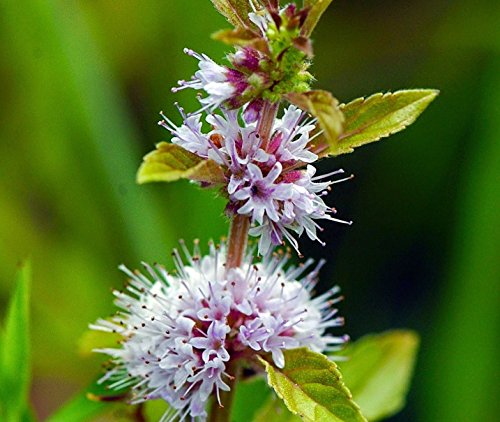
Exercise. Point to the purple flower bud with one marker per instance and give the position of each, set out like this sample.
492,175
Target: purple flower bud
247,59
252,111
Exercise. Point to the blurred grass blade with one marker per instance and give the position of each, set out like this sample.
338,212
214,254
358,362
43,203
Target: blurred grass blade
87,87
379,370
462,375
78,409
15,352
93,401
312,387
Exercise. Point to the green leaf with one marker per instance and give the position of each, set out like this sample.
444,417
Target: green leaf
249,396
275,410
311,386
325,107
379,371
78,409
235,11
381,115
170,162
317,8
15,352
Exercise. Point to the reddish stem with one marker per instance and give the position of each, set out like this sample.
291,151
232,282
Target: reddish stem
266,122
237,244
238,235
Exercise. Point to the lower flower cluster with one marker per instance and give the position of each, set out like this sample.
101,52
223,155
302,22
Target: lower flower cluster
182,332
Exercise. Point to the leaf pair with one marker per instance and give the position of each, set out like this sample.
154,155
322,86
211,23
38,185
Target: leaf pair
373,384
345,127
362,121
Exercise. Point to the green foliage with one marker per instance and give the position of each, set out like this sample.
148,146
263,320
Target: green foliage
15,353
93,401
317,8
378,371
463,373
249,397
312,387
79,409
97,402
275,410
324,107
379,116
170,162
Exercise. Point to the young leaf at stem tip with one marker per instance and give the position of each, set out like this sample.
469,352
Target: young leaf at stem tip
380,115
170,162
378,371
237,36
311,386
317,8
235,11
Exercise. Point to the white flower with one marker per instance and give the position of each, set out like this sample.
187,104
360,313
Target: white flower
180,332
188,135
290,139
219,82
265,182
262,194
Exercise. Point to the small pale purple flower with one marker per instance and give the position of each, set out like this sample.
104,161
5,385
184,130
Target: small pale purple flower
266,182
221,84
182,331
262,195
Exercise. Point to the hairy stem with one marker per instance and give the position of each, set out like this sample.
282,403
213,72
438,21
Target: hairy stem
266,122
237,244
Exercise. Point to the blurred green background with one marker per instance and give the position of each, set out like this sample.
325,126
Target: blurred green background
81,85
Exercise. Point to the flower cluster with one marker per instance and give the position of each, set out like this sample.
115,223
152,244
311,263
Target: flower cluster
182,333
264,178
272,62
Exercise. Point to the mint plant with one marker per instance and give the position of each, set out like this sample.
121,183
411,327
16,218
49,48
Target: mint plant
190,335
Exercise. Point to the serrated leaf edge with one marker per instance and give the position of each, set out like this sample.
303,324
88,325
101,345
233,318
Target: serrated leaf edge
433,93
343,388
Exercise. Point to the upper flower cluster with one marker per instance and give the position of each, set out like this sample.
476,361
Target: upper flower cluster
264,177
271,62
182,333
